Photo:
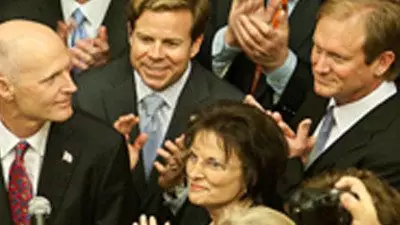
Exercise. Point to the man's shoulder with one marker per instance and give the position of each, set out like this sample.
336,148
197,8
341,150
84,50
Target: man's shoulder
218,88
91,131
116,71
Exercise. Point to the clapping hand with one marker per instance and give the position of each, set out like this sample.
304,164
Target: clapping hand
87,52
124,126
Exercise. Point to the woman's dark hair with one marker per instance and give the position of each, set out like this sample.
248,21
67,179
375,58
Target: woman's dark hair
254,137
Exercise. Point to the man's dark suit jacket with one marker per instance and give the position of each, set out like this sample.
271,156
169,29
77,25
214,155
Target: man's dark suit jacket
92,188
49,12
241,73
109,92
372,143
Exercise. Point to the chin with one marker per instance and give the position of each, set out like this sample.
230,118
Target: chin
62,115
196,199
323,91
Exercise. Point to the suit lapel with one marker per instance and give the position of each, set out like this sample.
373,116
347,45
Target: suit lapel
59,162
193,93
4,206
358,136
121,100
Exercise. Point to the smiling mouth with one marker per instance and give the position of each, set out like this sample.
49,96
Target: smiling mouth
195,187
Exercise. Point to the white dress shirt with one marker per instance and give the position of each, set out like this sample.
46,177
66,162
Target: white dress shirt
33,158
94,11
346,116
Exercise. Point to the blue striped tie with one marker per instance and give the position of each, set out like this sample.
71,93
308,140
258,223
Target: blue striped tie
151,124
79,32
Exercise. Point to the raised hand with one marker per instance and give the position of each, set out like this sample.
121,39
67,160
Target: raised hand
264,37
124,126
238,8
300,143
172,173
87,52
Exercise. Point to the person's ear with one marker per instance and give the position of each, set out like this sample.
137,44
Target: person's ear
6,88
383,63
195,48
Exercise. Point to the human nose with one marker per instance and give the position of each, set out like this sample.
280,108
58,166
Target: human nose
156,51
321,64
194,170
69,84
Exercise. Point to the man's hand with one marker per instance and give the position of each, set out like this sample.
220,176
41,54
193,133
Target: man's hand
300,143
87,52
124,126
250,100
91,52
238,8
174,154
263,43
362,209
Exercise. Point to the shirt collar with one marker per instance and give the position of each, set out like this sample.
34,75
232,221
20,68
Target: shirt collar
37,141
170,95
345,114
94,10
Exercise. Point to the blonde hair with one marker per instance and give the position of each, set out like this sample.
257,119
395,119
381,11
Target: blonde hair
381,21
258,215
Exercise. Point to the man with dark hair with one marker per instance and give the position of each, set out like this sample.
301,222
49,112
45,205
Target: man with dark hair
159,83
46,149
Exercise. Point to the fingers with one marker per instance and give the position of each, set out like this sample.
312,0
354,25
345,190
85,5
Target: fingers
250,100
303,130
287,131
265,31
139,142
102,34
273,6
64,28
80,58
282,20
160,168
357,207
89,52
134,149
124,124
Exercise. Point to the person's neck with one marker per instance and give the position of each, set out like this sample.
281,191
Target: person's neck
343,100
20,128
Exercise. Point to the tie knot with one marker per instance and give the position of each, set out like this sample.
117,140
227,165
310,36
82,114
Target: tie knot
20,149
329,115
78,17
152,103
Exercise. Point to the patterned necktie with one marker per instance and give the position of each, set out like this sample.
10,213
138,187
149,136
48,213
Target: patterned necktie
323,135
151,124
79,32
19,187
